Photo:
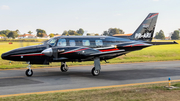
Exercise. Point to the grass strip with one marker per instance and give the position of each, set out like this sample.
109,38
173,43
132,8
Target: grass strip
152,92
154,53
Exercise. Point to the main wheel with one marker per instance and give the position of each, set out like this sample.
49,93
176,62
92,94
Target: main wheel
29,72
95,72
63,68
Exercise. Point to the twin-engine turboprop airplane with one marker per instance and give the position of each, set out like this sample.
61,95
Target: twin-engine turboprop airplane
85,48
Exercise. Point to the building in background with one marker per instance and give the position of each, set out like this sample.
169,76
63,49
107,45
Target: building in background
1,37
26,36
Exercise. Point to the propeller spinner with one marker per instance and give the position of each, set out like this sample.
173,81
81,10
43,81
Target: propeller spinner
47,52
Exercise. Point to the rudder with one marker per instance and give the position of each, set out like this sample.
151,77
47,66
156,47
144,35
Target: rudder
146,29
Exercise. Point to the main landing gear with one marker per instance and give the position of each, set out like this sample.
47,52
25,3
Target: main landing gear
29,71
64,67
97,67
95,70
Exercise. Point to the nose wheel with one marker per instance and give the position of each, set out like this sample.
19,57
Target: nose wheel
29,72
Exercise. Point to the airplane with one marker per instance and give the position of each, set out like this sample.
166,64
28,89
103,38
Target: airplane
86,48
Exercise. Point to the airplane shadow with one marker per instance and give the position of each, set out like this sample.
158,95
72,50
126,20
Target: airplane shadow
118,74
76,74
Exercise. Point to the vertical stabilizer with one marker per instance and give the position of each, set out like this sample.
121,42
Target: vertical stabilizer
146,30
85,33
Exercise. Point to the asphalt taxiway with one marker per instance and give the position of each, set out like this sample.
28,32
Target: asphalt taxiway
51,79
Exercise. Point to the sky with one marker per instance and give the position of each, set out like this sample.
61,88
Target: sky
94,16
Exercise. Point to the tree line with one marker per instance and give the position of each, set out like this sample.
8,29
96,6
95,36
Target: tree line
110,32
8,33
80,31
42,33
16,33
160,35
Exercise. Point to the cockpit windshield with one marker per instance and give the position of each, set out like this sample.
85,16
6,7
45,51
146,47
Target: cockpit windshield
52,42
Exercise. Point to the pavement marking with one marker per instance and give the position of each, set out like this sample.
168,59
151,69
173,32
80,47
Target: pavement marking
12,77
25,76
90,88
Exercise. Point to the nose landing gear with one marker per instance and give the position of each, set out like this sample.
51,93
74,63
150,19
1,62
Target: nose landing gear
29,71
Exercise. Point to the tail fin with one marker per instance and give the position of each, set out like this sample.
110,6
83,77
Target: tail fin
146,30
85,33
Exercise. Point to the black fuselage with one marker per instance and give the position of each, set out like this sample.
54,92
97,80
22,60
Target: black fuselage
74,48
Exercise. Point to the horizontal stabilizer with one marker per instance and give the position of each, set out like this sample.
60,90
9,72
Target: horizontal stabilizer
162,43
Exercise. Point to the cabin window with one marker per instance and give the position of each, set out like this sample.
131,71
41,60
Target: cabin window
52,42
99,42
72,43
85,42
61,42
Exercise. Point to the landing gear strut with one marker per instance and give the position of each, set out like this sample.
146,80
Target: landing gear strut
97,67
29,71
64,67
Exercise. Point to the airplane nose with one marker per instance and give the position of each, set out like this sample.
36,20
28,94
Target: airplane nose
3,56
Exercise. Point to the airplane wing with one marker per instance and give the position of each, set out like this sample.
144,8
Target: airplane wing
105,53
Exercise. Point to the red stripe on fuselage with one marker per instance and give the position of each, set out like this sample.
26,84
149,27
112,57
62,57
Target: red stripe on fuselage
75,51
134,45
128,46
138,45
108,50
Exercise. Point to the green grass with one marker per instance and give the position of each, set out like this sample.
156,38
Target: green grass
153,92
153,53
22,40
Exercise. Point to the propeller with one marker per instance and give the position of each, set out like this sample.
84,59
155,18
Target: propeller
46,44
21,44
